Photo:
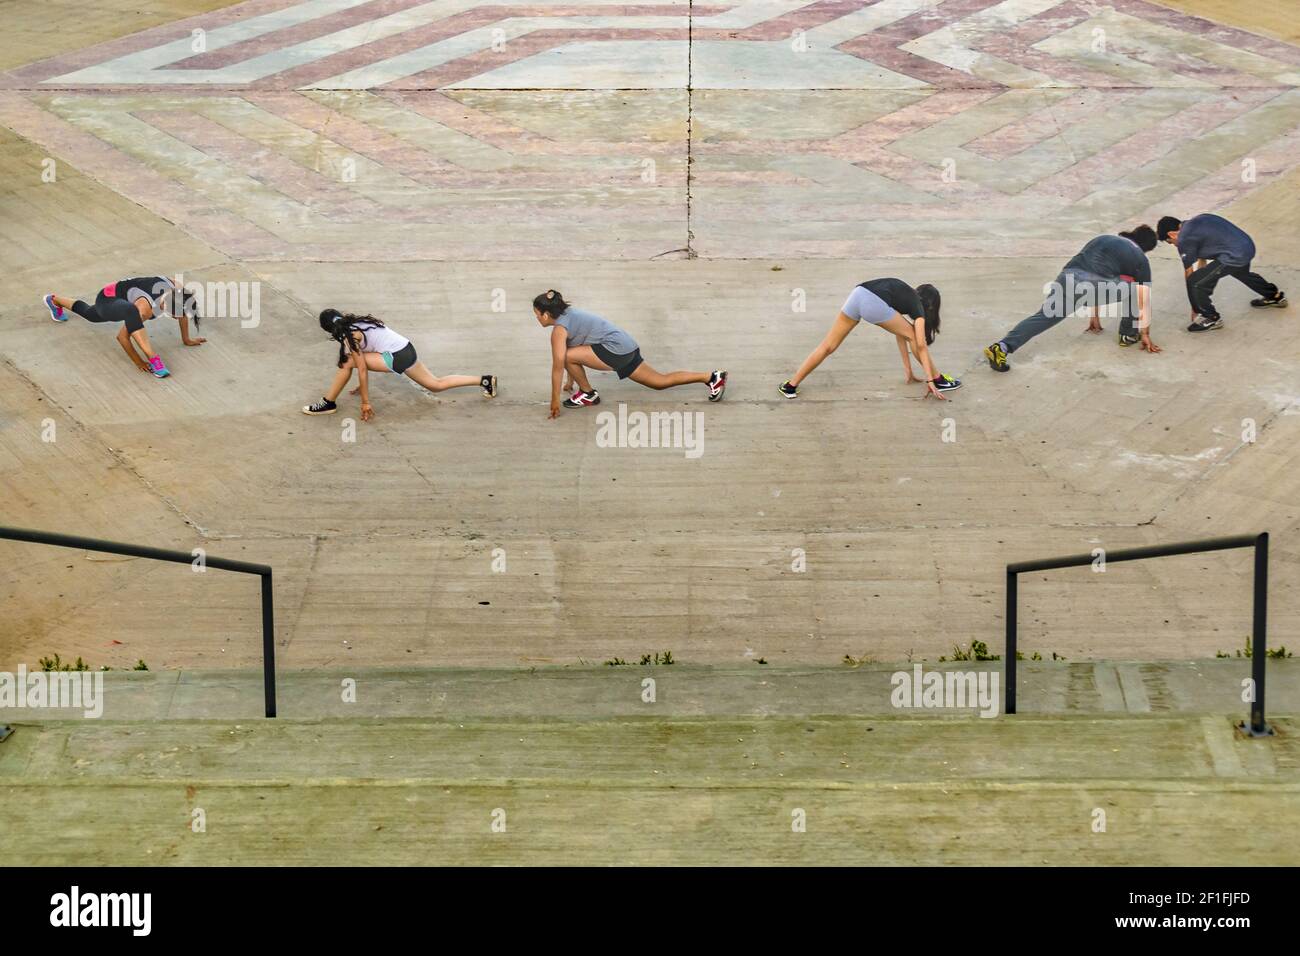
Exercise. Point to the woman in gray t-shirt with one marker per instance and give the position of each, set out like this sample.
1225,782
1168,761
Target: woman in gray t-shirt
581,340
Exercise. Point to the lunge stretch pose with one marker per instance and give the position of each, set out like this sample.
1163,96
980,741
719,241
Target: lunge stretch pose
582,340
367,345
1106,271
893,305
133,302
1211,248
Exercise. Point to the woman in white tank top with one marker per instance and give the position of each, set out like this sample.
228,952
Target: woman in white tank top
367,345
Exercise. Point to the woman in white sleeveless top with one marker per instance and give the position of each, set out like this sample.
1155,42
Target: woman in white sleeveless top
368,345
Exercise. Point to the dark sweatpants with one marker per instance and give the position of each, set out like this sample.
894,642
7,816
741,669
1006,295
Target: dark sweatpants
1071,291
109,309
1201,283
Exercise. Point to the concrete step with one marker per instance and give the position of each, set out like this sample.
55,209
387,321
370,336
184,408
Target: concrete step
1136,687
1165,789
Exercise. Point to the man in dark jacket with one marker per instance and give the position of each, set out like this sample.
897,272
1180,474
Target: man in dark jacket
1211,248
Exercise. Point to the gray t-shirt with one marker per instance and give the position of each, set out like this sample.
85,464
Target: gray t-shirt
1113,257
587,328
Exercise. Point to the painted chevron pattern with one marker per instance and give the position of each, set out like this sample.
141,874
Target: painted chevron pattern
839,128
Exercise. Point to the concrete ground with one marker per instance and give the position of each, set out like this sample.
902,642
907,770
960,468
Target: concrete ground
714,178
381,157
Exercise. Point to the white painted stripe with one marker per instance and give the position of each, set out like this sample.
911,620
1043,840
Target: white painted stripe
866,20
137,67
474,41
952,44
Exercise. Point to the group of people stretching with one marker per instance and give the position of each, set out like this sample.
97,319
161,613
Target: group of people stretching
1109,270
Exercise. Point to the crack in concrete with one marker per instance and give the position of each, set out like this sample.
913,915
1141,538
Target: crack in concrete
690,118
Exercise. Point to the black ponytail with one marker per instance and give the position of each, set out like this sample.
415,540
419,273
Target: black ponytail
1144,237
929,297
190,307
551,303
341,325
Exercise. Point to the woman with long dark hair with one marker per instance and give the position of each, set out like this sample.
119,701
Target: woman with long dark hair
368,345
582,340
912,315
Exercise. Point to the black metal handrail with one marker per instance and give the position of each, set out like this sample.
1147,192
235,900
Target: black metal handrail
178,557
1259,641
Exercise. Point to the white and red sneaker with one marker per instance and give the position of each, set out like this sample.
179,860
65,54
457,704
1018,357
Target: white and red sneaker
717,385
580,399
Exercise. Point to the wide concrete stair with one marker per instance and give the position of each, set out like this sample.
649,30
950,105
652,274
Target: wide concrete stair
576,766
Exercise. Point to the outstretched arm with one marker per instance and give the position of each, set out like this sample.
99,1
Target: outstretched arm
923,356
907,359
358,359
184,323
1144,318
559,349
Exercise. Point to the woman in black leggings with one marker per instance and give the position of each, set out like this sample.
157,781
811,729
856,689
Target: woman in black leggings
132,302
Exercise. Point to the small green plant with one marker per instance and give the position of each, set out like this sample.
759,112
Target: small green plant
664,657
56,663
979,651
761,660
851,661
1273,654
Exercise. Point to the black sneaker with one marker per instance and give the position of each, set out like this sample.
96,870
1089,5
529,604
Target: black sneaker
717,385
946,383
1127,340
489,385
1204,324
323,407
1278,301
581,399
788,390
997,357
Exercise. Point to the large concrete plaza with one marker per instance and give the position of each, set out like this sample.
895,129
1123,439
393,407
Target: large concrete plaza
715,178
690,172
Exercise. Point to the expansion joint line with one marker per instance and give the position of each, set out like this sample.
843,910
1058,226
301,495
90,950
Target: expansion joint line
690,104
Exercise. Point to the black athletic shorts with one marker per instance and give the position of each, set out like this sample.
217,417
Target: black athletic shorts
625,364
403,358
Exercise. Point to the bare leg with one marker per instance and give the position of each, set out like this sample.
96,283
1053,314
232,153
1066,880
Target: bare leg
374,362
645,375
577,360
141,338
341,379
838,333
62,301
124,340
576,372
422,376
582,357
